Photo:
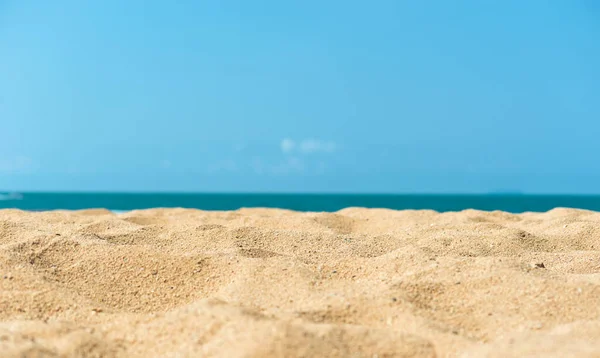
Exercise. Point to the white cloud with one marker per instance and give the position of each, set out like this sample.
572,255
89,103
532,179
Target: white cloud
287,145
307,146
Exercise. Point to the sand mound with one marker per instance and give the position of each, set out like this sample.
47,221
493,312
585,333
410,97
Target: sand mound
264,282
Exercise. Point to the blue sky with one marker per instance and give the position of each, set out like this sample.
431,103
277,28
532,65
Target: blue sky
300,96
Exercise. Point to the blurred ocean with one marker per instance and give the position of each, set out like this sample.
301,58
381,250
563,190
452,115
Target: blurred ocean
303,202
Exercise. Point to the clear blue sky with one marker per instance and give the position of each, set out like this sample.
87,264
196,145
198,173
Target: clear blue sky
353,96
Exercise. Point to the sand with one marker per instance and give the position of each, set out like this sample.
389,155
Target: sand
277,283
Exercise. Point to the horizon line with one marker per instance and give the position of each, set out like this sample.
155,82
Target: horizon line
167,192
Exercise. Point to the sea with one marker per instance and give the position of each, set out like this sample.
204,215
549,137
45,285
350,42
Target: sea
119,202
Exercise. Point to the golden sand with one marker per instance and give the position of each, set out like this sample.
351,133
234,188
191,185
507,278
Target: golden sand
276,283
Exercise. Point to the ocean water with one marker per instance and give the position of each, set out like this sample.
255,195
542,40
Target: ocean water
303,202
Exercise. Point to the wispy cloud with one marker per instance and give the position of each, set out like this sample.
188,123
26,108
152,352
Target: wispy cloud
227,165
290,166
240,147
258,165
166,164
307,146
287,145
16,165
314,146
294,157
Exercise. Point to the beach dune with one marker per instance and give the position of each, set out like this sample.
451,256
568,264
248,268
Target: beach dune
278,283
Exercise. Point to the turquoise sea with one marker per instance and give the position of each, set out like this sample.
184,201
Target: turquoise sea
304,202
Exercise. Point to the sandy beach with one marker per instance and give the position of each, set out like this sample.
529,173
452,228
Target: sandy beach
277,283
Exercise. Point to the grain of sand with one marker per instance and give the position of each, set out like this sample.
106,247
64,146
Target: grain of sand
277,283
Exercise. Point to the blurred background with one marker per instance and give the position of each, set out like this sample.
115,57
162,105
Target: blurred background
466,97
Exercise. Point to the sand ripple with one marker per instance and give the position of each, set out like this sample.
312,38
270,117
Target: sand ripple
265,282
